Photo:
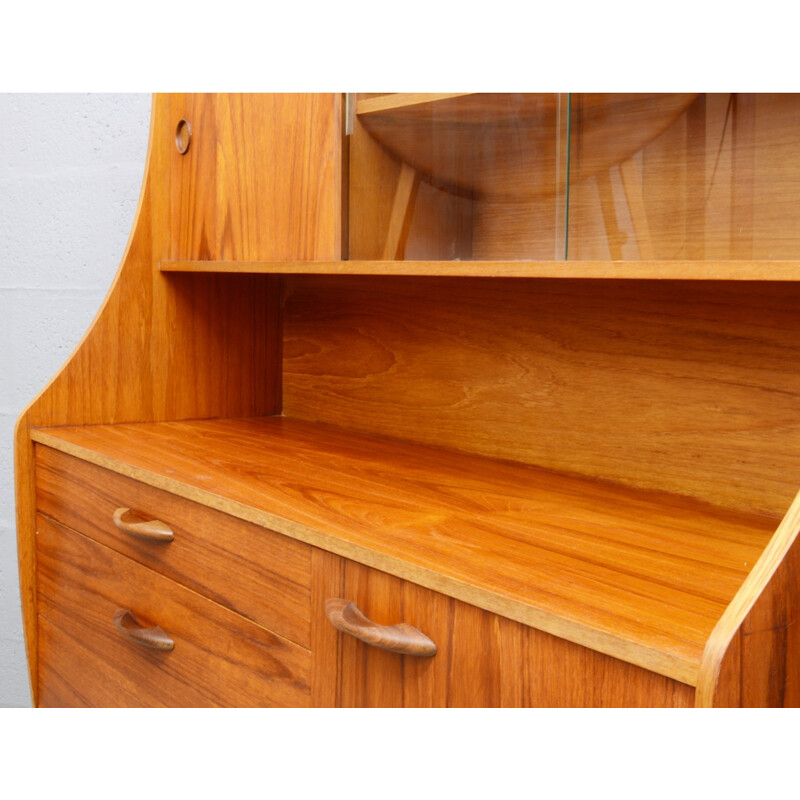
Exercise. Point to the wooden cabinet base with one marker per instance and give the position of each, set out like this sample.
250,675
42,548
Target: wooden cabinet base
219,658
548,483
482,660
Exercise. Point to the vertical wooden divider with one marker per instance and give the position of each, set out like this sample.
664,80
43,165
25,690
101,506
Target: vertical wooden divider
327,581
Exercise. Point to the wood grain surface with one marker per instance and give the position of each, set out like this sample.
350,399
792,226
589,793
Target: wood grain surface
219,658
482,660
327,580
262,178
751,658
251,570
187,346
675,386
643,576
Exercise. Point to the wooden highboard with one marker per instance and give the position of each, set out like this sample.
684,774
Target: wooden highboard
353,427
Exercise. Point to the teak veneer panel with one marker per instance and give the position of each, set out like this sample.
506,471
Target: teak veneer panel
753,655
667,385
188,346
255,572
261,179
482,660
640,576
219,657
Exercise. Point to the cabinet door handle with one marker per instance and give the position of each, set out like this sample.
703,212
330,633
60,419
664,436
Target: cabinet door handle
403,638
153,530
129,627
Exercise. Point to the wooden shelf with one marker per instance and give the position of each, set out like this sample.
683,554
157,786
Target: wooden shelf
641,576
605,270
391,102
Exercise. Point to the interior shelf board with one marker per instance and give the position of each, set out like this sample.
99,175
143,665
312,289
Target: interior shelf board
508,143
638,575
403,100
756,270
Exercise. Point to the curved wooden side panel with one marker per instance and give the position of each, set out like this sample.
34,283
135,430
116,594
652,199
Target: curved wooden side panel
44,410
752,658
196,346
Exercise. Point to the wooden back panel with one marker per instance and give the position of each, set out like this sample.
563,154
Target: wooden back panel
679,386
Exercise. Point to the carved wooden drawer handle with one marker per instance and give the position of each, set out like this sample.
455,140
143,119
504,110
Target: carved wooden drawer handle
130,628
153,530
403,638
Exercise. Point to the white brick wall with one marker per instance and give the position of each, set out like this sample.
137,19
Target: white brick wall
71,167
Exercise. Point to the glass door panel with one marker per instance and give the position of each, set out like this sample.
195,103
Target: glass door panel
651,176
458,177
684,176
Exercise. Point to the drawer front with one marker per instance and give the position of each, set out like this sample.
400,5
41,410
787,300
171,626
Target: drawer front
218,659
254,571
482,659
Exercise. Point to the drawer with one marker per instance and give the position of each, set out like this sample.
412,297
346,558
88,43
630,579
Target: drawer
218,658
251,570
481,659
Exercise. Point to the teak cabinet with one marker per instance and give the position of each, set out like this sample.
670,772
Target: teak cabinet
453,400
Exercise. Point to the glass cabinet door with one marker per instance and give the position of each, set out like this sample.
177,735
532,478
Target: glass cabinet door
684,176
574,176
458,176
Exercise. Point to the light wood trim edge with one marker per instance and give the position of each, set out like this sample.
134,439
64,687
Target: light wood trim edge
24,466
744,600
604,270
25,500
648,658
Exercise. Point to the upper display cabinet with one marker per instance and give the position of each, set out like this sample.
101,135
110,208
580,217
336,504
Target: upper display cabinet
585,177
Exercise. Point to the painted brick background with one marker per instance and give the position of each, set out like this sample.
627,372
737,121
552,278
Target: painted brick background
71,167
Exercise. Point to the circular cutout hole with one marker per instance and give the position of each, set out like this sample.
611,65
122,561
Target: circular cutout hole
183,136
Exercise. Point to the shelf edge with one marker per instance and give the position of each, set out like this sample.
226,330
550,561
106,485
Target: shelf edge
600,270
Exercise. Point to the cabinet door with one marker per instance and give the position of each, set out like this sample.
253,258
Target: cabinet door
482,659
253,176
